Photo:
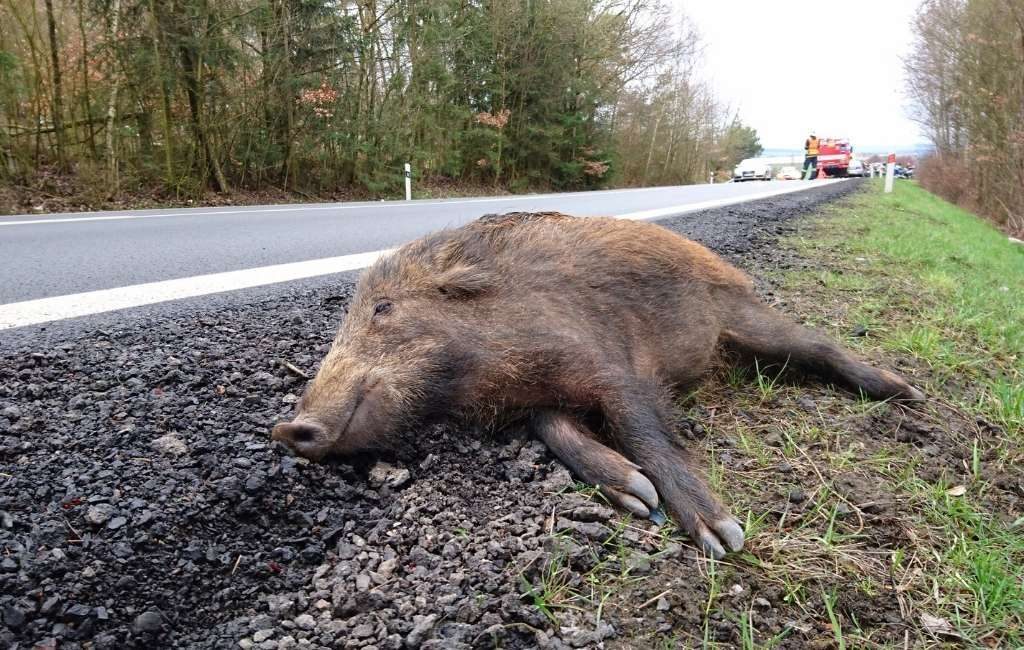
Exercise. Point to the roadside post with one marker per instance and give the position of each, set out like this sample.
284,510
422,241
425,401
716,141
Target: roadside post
711,178
408,182
890,171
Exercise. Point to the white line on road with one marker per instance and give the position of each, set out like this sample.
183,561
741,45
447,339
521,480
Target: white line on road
44,310
657,213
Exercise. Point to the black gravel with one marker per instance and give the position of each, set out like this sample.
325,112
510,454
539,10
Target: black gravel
143,505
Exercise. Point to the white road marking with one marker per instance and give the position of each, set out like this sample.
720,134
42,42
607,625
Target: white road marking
657,213
44,310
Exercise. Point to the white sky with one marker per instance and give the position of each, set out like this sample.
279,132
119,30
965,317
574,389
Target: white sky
829,65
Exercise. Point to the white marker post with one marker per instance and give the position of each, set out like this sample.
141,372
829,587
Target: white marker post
890,171
408,182
711,178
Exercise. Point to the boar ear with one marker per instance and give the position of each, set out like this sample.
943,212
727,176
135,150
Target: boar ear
462,281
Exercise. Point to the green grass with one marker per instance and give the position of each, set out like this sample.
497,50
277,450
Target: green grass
982,563
768,379
553,589
829,601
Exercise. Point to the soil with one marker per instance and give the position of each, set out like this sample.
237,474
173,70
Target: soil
142,503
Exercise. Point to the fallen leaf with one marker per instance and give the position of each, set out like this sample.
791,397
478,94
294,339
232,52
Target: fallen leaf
938,626
957,491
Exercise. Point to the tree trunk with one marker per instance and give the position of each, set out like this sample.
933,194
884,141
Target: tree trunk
112,23
289,106
190,61
165,94
650,150
86,97
58,92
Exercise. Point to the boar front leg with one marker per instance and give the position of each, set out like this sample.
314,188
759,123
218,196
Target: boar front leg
640,419
578,448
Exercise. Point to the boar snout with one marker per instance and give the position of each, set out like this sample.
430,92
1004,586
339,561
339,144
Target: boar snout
337,420
304,438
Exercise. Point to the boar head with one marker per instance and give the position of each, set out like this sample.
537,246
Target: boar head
405,348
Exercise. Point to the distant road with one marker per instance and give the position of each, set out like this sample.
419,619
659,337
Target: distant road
62,266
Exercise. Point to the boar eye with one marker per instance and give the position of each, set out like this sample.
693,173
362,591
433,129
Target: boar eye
382,307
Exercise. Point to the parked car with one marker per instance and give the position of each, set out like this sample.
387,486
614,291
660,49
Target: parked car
752,169
856,168
789,173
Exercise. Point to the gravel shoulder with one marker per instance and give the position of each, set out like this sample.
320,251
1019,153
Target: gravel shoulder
143,505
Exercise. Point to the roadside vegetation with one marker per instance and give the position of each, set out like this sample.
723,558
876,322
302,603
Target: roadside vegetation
870,525
193,100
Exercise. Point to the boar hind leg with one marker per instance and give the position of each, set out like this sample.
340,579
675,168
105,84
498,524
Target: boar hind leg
760,331
619,479
642,430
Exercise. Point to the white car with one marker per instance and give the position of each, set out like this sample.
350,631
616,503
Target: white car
789,173
752,169
856,168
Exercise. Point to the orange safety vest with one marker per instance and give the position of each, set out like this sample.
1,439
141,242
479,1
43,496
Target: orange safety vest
812,146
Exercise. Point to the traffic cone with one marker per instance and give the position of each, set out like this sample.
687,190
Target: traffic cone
821,172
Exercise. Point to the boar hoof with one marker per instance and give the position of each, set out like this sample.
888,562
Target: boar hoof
658,516
639,496
914,395
722,536
901,391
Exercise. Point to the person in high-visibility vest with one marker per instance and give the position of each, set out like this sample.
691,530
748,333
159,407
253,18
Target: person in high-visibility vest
810,156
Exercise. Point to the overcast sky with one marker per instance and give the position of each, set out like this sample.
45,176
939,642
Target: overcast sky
791,66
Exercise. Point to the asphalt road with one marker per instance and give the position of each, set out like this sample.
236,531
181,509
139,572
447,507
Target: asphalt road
73,258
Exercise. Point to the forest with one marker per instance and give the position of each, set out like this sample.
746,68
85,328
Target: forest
966,79
181,99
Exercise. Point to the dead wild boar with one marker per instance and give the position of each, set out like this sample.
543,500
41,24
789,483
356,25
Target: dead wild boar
583,326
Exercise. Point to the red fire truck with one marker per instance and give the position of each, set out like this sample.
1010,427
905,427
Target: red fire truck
834,155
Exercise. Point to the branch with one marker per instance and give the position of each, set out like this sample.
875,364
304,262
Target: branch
18,130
